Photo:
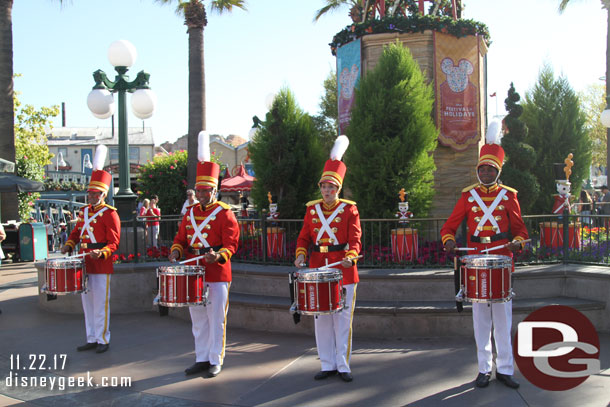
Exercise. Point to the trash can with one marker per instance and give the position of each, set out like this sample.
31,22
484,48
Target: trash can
33,242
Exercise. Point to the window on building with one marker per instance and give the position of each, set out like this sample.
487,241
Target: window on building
114,154
134,154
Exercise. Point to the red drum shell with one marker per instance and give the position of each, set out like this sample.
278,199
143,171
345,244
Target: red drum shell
65,276
181,286
319,291
486,278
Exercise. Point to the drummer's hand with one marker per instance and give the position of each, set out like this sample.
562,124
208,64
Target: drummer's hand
95,254
174,256
514,246
299,261
211,257
450,246
346,262
65,249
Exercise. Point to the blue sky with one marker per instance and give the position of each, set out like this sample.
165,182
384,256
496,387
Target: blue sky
252,54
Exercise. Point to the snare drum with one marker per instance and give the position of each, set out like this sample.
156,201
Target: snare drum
486,278
319,291
182,286
65,276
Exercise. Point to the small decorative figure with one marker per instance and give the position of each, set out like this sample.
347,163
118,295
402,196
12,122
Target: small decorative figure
403,213
562,198
273,213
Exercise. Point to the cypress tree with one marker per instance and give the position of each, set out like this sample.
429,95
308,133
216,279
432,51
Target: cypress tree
520,157
287,157
557,127
392,136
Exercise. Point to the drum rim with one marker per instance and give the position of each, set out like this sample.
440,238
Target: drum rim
317,275
478,261
50,262
181,270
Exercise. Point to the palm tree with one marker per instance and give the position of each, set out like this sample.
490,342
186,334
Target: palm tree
7,130
7,123
195,19
605,4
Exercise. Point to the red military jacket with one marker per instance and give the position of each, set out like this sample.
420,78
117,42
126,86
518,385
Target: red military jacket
560,202
344,224
97,225
220,231
506,215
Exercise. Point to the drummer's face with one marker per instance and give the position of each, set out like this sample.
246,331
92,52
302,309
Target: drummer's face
94,197
205,196
487,174
328,191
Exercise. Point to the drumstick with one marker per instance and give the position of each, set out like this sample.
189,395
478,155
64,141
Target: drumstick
76,256
504,245
465,248
193,259
339,262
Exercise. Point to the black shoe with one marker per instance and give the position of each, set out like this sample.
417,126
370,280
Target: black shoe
163,311
214,370
507,380
87,346
197,368
323,374
483,379
102,347
346,376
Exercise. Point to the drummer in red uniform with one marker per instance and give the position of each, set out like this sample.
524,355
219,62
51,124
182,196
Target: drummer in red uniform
98,230
494,218
332,228
208,228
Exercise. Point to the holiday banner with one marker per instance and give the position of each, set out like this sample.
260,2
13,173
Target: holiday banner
348,76
457,80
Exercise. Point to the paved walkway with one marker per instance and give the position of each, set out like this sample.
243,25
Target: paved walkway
261,369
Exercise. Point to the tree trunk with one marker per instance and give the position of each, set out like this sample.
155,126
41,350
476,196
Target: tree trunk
196,99
607,4
7,129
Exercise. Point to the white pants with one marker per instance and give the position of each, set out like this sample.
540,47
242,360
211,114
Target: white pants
501,315
210,324
154,235
96,304
334,334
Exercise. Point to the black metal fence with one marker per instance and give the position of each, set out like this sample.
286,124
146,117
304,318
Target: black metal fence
389,243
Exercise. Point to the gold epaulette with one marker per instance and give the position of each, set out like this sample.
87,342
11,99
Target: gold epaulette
347,201
513,190
468,188
110,207
224,205
311,203
190,206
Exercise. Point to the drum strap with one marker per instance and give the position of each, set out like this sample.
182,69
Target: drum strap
197,229
325,222
88,220
487,211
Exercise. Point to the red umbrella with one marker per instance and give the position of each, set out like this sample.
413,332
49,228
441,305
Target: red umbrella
241,181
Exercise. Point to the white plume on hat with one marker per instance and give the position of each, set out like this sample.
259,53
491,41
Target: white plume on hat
100,157
339,148
494,132
203,146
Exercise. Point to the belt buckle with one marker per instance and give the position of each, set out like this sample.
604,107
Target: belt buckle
195,252
83,245
486,239
323,249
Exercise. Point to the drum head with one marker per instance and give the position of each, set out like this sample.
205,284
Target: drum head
319,275
487,261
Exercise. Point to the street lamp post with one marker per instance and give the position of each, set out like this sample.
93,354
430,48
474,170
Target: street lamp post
122,54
